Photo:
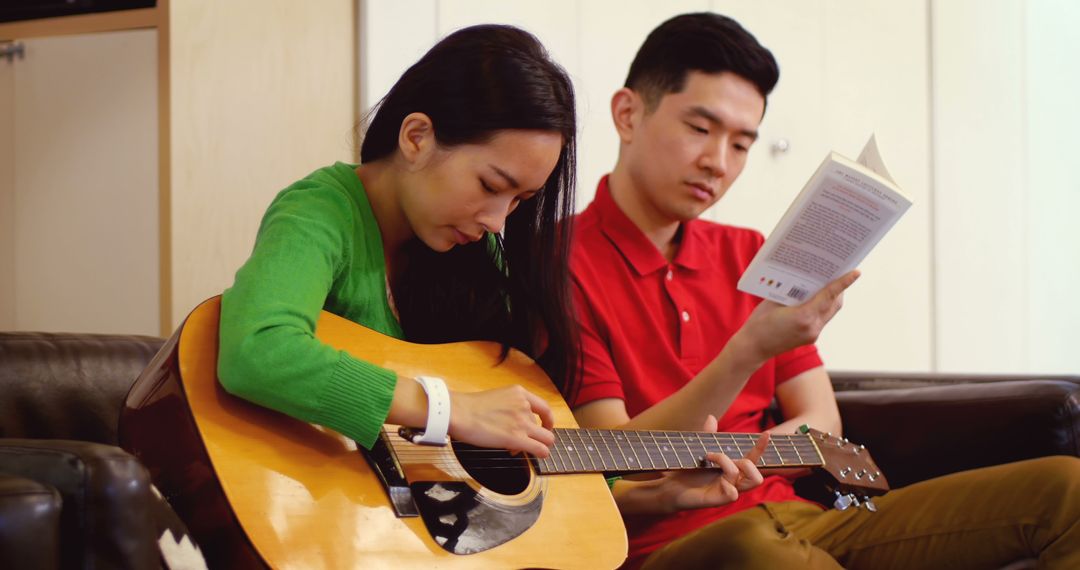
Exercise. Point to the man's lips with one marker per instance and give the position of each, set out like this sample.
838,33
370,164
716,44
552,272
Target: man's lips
702,191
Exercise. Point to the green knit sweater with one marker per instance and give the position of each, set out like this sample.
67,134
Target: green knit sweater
318,247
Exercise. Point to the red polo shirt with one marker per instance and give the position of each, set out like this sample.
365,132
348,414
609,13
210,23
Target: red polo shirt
649,326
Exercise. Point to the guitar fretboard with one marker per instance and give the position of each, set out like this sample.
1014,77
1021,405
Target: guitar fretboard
603,450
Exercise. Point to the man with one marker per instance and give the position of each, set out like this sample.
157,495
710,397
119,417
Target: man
668,343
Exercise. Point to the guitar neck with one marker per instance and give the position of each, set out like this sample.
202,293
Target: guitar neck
618,451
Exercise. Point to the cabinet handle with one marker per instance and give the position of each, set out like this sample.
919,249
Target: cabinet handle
12,51
779,146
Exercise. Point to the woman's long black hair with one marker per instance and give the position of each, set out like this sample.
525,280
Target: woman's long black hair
515,288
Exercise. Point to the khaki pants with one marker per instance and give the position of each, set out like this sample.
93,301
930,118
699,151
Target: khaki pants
985,518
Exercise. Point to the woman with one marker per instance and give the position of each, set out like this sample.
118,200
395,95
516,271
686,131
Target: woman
449,229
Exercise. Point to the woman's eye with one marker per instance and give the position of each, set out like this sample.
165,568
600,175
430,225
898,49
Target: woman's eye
487,188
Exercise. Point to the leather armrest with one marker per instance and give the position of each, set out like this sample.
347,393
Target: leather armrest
922,426
29,524
107,513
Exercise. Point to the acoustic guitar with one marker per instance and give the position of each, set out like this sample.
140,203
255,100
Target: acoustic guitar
258,488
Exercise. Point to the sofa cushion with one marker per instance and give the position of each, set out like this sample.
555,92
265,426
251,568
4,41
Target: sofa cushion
68,386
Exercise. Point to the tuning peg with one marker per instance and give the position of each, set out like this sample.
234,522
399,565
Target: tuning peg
860,449
869,504
842,502
860,474
844,471
854,499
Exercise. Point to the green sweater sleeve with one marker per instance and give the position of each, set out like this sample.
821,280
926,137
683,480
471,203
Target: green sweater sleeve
268,351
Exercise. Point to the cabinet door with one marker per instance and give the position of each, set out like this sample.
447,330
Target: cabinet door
84,238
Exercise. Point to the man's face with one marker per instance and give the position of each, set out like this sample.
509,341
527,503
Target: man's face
688,151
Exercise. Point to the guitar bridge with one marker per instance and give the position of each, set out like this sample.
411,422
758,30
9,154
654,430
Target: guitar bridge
397,488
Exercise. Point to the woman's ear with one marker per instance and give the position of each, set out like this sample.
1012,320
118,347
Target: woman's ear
416,140
627,109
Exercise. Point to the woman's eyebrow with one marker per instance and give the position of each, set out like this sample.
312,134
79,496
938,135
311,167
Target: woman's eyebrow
509,179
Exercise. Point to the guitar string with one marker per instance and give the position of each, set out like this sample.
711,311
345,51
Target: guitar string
782,449
478,456
786,448
779,450
652,453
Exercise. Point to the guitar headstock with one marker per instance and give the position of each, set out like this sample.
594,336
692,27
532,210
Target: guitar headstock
851,467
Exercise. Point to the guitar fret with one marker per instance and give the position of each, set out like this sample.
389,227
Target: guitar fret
607,443
686,443
798,456
637,460
671,446
704,448
645,449
674,450
589,442
779,456
554,455
660,450
557,453
738,448
572,453
620,457
598,440
588,448
542,465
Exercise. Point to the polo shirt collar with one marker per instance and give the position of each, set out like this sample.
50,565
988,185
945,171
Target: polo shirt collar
642,254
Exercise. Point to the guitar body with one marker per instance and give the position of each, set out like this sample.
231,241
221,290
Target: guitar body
258,488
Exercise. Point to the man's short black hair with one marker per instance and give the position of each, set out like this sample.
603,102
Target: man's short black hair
706,42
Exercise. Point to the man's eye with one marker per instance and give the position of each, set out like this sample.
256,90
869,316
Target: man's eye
697,129
742,147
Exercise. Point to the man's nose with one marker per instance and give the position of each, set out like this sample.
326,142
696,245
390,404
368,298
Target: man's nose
714,158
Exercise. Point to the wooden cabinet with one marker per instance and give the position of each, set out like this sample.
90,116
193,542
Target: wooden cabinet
138,150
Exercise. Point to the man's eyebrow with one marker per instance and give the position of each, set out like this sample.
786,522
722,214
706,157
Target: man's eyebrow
712,117
509,179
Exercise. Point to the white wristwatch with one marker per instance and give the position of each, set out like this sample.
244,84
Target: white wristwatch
438,412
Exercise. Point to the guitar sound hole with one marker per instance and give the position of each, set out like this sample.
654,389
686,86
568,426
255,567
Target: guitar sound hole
495,469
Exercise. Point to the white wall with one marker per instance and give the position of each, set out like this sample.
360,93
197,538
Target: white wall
1006,193
849,68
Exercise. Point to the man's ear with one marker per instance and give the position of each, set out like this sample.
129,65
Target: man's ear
627,110
416,140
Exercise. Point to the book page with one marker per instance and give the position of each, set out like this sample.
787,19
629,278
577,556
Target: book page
841,213
871,158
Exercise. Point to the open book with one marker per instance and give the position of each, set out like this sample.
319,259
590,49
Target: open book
840,215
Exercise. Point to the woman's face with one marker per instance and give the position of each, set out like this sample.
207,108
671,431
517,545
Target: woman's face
467,190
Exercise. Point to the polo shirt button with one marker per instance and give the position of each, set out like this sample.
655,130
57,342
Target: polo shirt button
686,316
670,275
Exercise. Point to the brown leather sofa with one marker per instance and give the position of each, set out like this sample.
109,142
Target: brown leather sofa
70,498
